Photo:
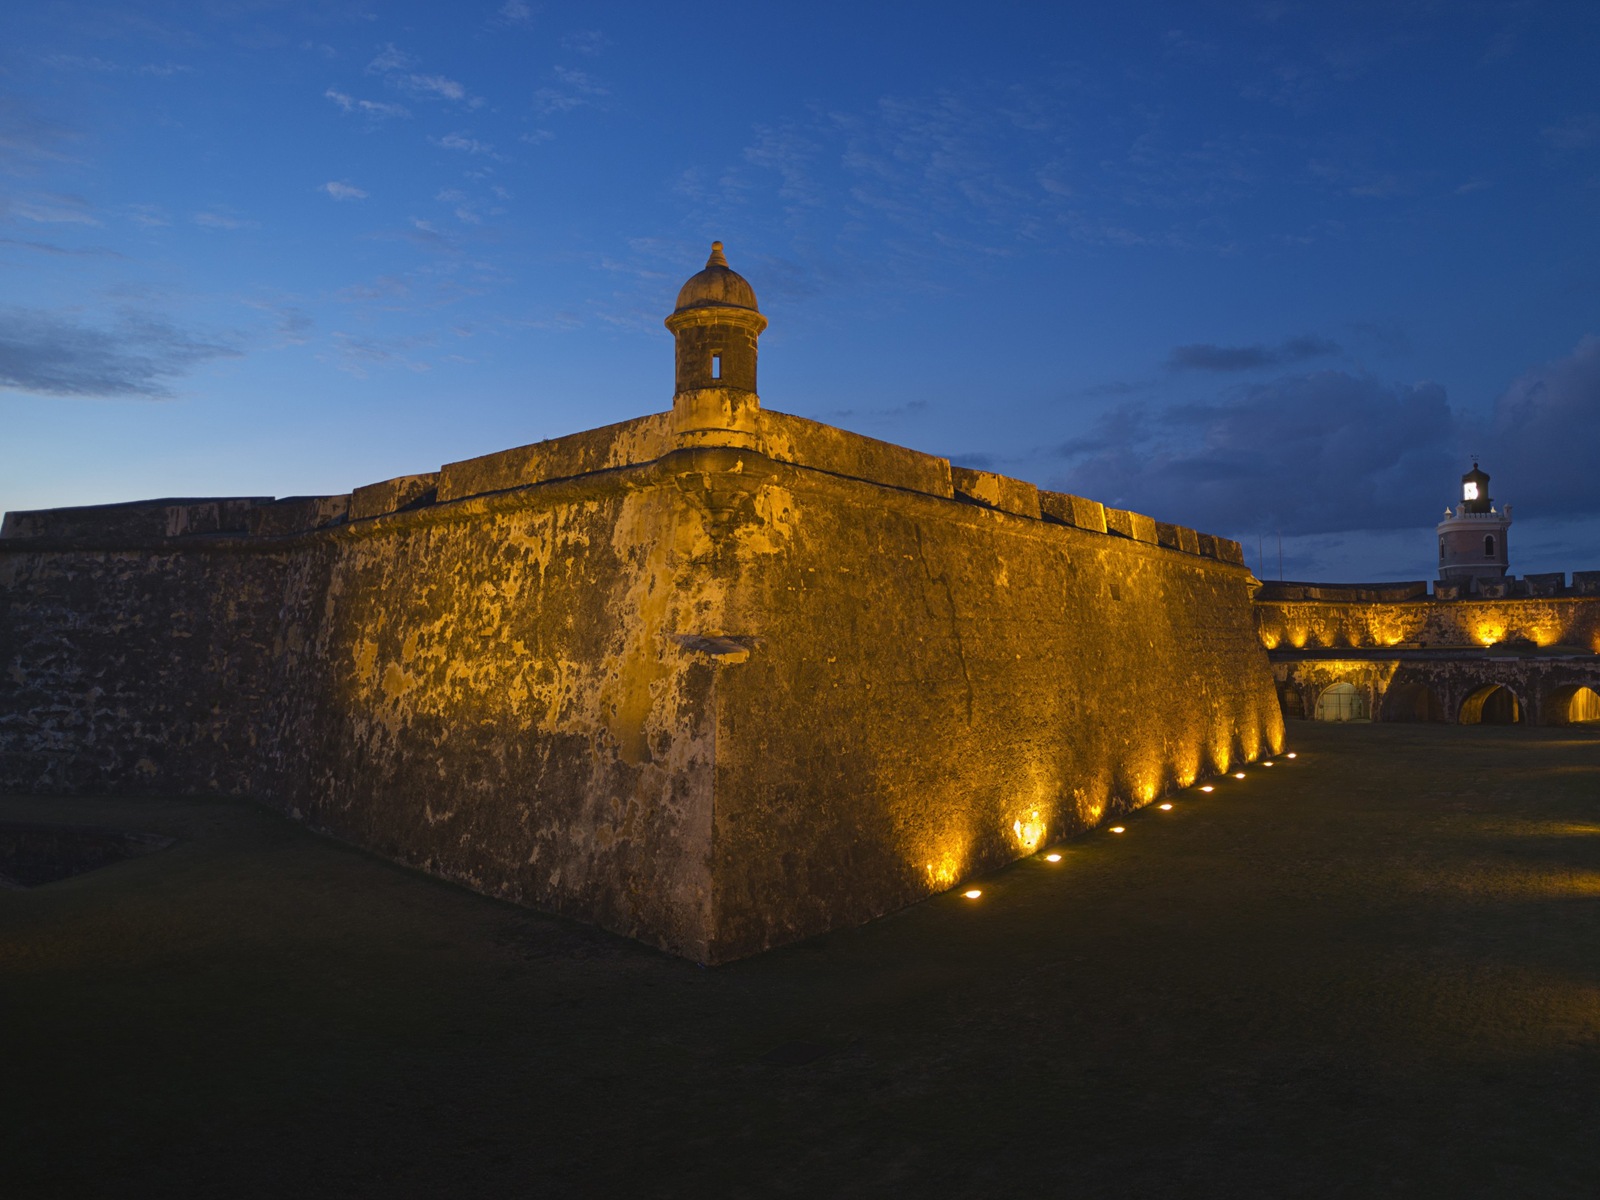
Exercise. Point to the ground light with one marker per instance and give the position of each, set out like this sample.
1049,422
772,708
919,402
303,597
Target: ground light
1118,829
1206,787
1290,756
1266,764
1238,774
972,893
1166,807
1052,858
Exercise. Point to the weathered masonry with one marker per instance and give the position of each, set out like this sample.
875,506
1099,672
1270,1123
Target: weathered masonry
718,678
1516,651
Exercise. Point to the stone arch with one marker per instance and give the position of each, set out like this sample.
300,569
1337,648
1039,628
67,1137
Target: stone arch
1413,701
1488,545
1341,701
1572,704
1491,704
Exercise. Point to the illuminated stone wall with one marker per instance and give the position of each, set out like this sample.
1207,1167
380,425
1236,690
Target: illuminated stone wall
1429,659
1538,621
714,698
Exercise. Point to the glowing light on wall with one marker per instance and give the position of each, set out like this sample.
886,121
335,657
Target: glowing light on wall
1489,632
943,874
1028,833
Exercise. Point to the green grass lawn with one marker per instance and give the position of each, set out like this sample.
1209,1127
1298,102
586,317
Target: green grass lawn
1371,971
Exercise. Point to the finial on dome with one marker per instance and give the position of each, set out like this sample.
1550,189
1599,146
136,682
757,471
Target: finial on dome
716,259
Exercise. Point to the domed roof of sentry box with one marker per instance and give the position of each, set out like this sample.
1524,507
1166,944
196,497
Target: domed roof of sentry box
718,286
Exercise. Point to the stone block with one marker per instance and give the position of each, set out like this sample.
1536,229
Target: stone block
611,446
1188,540
807,443
1449,589
1073,510
168,517
1131,525
392,495
298,514
1230,551
1548,584
1496,589
1586,583
997,491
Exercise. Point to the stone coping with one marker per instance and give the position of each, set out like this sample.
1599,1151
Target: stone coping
586,458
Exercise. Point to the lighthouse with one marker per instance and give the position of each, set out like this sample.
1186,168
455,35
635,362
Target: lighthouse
1472,536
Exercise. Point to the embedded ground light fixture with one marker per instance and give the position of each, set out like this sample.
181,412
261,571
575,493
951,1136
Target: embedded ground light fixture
972,893
1238,774
1165,807
1290,756
1052,858
1206,787
1118,829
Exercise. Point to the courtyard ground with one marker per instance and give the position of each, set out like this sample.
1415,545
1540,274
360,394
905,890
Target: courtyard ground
1373,970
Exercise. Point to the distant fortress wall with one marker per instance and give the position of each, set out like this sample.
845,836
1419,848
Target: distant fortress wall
1409,655
717,697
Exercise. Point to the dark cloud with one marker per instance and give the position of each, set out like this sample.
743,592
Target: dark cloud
1311,453
53,355
1204,356
1543,437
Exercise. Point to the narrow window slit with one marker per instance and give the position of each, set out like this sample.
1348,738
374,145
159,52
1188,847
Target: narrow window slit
716,366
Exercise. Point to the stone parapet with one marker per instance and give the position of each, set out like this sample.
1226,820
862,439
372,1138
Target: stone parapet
997,491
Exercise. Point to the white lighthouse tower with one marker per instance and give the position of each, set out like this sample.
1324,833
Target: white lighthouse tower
1472,538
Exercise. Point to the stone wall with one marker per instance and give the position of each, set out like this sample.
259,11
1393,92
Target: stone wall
1571,620
1411,657
717,699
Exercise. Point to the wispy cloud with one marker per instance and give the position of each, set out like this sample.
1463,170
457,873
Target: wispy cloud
1206,356
572,89
376,109
395,65
54,354
517,13
61,251
465,144
76,62
49,208
343,191
1574,133
585,41
214,219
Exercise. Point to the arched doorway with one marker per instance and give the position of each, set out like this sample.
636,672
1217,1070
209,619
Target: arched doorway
1341,702
1492,704
1572,705
1291,702
1412,702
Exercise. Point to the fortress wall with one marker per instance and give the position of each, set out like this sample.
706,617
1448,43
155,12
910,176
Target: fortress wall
936,688
716,701
495,692
138,666
1541,621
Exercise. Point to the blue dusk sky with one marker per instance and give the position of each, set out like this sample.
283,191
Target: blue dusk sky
1257,268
